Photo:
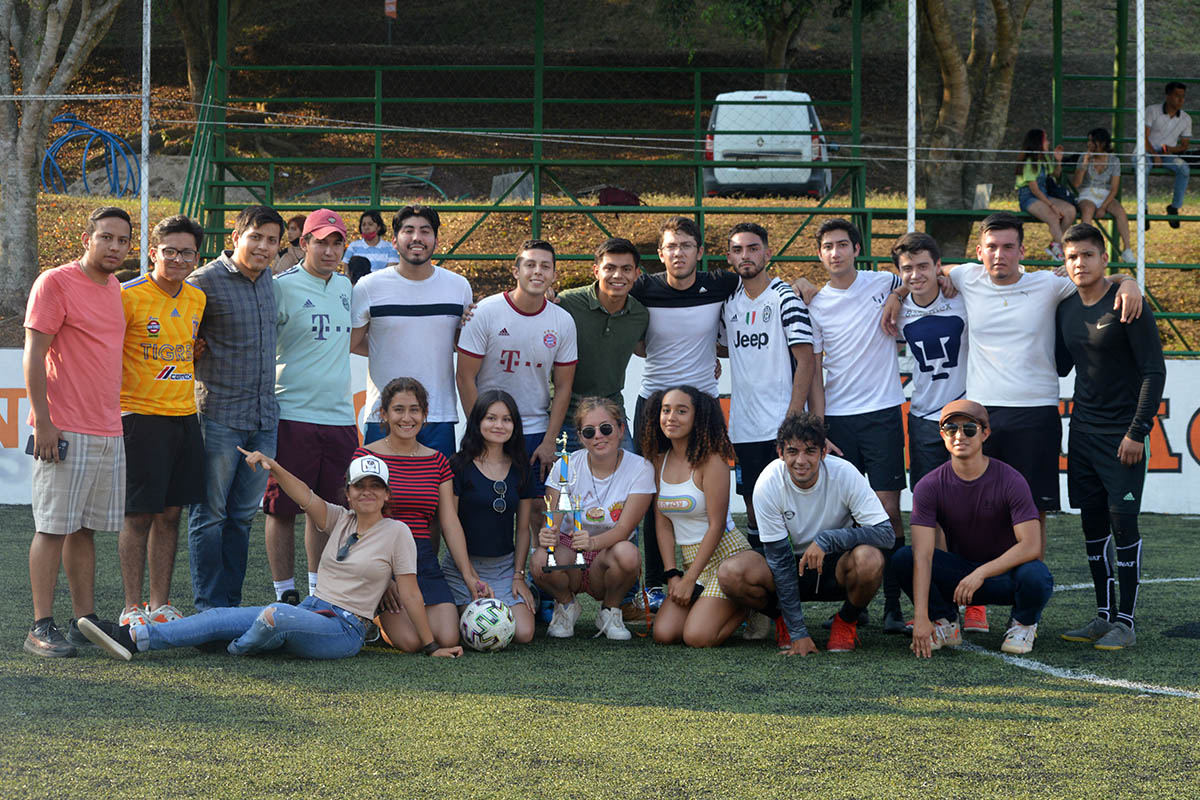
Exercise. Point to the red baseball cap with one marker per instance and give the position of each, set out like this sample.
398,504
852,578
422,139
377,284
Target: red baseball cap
323,222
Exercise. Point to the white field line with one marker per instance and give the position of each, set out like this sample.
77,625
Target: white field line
1070,586
1074,675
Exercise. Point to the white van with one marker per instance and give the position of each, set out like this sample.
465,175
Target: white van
785,128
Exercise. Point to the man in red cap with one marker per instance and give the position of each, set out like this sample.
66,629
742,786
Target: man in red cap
317,434
993,540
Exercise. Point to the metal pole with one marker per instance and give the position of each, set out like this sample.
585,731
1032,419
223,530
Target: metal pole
144,184
911,201
539,62
1139,149
1056,80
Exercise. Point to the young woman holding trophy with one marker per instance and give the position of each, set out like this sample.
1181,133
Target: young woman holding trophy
595,498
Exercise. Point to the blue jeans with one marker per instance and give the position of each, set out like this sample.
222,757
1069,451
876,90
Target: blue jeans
298,630
1027,587
573,442
219,528
436,435
1182,171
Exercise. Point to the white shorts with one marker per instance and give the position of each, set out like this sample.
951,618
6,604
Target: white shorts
1094,195
85,490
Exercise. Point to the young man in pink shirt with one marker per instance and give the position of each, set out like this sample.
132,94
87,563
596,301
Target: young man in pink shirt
74,332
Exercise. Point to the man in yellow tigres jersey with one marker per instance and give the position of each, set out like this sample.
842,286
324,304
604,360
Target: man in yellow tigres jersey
165,451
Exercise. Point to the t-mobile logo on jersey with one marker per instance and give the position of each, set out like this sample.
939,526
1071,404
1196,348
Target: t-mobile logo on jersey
321,326
512,358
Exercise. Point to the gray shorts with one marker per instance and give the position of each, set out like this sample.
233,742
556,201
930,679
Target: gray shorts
84,490
496,571
926,450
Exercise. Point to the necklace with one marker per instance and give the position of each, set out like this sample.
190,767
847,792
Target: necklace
396,451
602,500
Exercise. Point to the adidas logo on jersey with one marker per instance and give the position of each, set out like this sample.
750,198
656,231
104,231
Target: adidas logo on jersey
503,332
174,312
308,304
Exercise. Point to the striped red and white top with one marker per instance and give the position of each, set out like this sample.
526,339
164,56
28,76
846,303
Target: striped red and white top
413,487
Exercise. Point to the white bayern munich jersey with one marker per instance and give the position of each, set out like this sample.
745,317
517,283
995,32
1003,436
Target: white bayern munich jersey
519,352
759,333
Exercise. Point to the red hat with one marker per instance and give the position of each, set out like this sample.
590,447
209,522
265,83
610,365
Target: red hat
323,222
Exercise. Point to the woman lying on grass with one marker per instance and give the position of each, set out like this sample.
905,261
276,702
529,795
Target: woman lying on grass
368,559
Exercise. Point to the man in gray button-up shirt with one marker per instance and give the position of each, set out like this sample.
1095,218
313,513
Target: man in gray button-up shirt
235,394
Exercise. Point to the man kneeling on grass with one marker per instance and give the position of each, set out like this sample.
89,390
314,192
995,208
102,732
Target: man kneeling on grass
823,509
992,541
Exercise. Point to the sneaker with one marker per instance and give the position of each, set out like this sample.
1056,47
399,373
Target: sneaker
864,619
657,596
75,636
1118,637
1055,251
291,597
562,624
1095,629
782,638
110,638
758,627
1128,256
945,634
134,616
893,622
46,640
843,636
1019,638
610,624
546,609
1174,212
164,613
975,619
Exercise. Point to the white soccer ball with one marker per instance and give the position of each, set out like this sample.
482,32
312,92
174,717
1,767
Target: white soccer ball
487,625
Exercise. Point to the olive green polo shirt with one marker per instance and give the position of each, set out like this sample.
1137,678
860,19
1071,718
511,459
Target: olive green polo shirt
605,341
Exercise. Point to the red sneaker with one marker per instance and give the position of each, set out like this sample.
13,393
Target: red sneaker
782,638
842,636
975,619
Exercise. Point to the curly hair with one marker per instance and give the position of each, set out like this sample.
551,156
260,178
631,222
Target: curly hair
397,385
708,437
804,427
473,446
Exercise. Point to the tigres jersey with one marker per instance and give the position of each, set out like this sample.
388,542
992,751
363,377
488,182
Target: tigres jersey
160,330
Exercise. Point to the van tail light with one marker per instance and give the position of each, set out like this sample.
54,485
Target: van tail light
816,148
708,147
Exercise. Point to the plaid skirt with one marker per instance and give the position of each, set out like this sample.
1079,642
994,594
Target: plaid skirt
732,542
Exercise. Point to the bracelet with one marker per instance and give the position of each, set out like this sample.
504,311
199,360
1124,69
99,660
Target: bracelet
430,648
304,507
672,573
520,572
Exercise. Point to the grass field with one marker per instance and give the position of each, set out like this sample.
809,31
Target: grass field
593,718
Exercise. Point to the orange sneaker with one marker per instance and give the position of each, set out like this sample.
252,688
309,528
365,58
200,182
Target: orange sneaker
782,638
975,619
842,636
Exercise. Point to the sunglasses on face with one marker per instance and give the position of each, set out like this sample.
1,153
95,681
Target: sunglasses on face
344,550
589,431
969,429
499,505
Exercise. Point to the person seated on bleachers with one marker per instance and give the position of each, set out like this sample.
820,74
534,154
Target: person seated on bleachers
1034,173
1168,134
1097,178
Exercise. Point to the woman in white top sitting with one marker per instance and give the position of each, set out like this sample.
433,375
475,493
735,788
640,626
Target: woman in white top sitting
368,561
690,451
612,488
1097,178
374,245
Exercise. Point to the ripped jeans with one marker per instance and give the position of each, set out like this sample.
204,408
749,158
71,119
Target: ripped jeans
296,630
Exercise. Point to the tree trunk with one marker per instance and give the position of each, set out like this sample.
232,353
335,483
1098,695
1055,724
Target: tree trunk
18,234
775,50
194,18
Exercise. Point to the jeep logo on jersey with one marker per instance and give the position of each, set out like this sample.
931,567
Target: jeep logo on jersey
550,340
756,340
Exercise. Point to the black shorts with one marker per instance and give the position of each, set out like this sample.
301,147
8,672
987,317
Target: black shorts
874,443
1029,440
824,586
926,449
164,462
752,459
1097,479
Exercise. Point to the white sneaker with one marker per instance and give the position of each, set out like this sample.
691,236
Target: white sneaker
610,624
1019,638
562,622
165,613
1128,256
758,627
136,615
945,634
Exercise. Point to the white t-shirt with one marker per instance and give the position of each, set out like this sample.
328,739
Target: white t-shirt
937,342
862,373
382,254
759,334
413,325
602,500
1011,336
1165,129
519,352
841,497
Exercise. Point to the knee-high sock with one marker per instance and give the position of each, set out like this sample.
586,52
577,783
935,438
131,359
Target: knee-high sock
1096,536
891,586
1129,564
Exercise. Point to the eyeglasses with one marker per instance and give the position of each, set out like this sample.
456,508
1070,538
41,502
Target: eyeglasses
170,254
344,550
969,429
588,431
499,505
682,247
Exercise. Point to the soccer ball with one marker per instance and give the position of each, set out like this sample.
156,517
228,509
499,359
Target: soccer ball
487,624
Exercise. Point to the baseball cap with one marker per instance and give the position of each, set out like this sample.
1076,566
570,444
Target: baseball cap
965,408
366,467
323,222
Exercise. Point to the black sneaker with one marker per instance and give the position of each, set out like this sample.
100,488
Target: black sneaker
291,597
864,619
109,637
893,622
1174,212
75,636
47,641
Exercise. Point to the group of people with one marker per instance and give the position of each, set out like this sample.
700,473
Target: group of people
1093,191
226,389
